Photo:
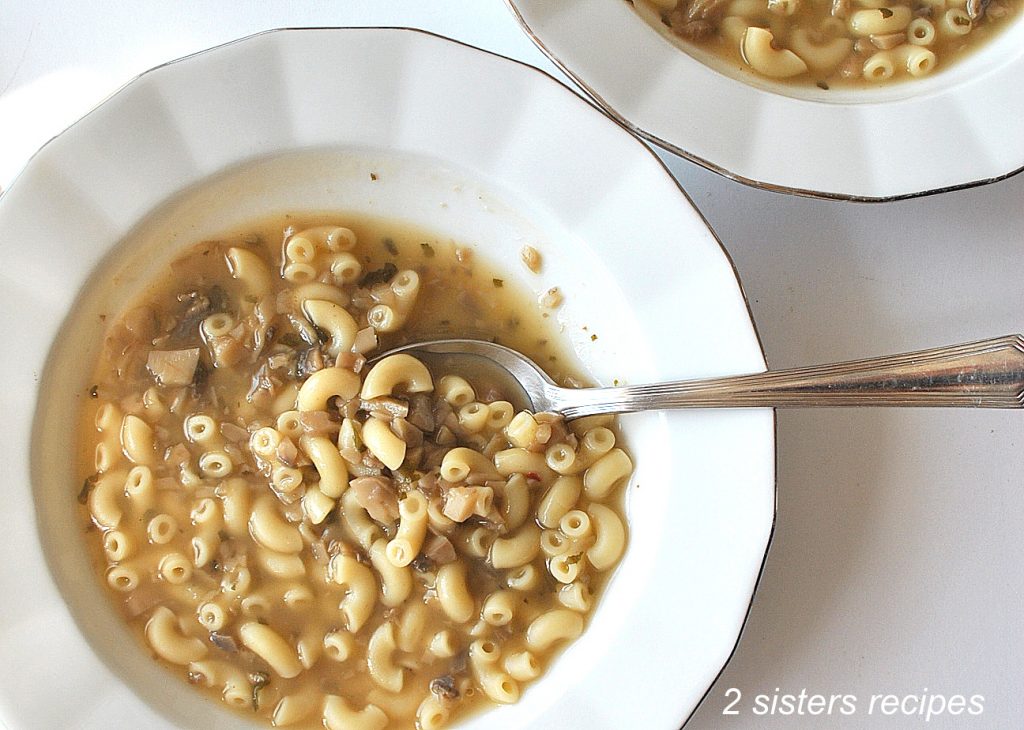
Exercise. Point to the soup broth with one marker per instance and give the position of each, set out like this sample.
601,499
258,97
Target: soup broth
322,541
832,42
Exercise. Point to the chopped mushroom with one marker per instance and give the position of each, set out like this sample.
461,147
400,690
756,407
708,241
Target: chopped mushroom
445,437
461,503
173,367
691,30
888,41
226,350
177,455
411,435
318,423
350,361
288,452
196,306
444,688
142,599
385,407
377,496
365,341
439,550
414,457
224,642
264,385
233,432
429,484
310,361
420,414
697,19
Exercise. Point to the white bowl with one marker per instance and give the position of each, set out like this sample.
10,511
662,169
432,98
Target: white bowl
957,128
465,143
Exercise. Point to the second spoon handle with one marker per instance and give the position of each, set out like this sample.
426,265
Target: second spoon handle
985,374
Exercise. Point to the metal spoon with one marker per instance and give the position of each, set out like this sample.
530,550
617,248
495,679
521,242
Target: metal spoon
985,374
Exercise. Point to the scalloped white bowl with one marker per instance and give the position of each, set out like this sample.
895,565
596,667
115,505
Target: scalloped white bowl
956,128
463,142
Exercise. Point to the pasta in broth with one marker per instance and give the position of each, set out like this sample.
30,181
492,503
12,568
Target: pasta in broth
325,543
828,42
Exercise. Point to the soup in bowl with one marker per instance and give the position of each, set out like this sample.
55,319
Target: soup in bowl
865,42
144,356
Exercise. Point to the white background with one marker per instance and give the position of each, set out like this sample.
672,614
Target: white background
897,565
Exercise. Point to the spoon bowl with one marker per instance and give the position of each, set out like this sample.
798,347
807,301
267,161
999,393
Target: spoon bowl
982,374
521,381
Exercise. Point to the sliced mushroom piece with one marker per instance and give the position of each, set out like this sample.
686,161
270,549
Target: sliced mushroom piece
365,341
377,496
310,361
444,688
420,413
887,41
233,432
460,503
439,550
173,367
385,406
694,30
288,452
319,423
411,435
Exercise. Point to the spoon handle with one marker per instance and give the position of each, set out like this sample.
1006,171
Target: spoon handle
985,374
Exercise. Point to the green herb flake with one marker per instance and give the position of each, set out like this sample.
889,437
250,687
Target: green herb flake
379,276
498,283
87,485
389,244
428,250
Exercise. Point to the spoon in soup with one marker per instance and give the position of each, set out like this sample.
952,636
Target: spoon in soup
984,374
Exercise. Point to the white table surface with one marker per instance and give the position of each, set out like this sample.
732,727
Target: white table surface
897,565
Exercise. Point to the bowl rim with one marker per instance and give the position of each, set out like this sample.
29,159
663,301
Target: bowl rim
625,126
676,149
